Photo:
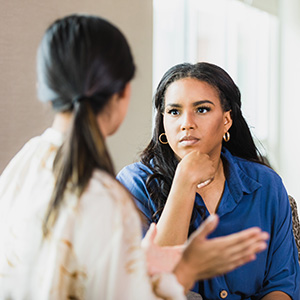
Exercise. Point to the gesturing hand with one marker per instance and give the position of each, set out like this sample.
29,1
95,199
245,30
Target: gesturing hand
207,258
204,258
160,259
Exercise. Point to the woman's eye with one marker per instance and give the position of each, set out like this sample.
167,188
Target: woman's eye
173,112
203,110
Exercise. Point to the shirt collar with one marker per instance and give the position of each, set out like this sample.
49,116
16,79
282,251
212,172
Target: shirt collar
238,181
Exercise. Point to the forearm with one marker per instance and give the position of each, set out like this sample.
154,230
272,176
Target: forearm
193,169
175,220
276,295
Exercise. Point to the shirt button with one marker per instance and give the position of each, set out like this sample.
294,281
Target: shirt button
223,294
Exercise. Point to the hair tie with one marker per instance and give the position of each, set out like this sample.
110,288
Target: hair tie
78,99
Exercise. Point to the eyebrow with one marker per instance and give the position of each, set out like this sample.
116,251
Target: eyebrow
194,104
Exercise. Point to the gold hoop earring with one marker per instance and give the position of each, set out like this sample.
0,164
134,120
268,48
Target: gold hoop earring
226,136
161,141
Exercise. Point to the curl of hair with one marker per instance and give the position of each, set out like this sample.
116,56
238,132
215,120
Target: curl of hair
85,58
160,159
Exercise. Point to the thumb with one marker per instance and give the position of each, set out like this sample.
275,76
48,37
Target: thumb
207,227
150,236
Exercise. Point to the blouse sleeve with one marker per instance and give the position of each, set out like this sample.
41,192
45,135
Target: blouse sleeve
118,269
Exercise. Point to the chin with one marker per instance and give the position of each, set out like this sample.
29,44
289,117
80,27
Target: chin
181,154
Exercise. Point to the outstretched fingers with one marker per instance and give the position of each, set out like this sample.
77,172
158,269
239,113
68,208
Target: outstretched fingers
242,247
252,239
212,257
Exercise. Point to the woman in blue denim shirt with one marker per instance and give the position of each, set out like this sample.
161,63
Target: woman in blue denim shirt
202,160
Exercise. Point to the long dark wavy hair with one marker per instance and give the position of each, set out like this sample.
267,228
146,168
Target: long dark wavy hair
160,158
82,61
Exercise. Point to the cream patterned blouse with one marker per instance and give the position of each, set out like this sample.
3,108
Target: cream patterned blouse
93,250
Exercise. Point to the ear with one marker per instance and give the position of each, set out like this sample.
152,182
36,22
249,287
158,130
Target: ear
111,117
126,93
227,120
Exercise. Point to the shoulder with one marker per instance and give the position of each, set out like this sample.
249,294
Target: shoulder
137,169
252,178
27,150
134,176
38,151
37,155
256,171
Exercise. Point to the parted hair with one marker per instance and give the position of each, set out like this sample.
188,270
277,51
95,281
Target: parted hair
82,61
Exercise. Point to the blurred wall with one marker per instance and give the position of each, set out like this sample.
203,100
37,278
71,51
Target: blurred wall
22,25
289,133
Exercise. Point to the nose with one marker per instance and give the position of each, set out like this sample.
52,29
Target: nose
188,122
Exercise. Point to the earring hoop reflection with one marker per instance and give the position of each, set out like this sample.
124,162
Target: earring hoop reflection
226,136
160,139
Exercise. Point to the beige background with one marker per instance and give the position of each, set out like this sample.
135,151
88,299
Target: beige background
22,25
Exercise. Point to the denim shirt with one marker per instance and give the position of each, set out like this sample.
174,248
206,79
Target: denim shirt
254,195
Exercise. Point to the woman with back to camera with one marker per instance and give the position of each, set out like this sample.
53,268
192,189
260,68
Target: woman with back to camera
202,160
68,229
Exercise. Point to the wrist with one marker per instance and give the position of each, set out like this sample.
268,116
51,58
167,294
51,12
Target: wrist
184,182
184,275
167,286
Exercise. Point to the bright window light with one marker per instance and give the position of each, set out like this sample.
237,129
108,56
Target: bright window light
236,36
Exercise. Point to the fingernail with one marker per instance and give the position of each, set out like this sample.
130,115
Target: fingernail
211,217
202,184
152,225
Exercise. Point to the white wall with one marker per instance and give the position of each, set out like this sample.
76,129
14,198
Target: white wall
270,6
22,25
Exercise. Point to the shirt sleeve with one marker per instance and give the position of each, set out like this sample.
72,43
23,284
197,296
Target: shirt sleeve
282,270
133,178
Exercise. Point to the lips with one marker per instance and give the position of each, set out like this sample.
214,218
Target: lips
188,140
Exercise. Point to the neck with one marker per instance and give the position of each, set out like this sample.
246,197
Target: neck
62,121
212,193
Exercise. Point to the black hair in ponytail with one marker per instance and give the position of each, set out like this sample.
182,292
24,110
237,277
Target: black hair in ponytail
82,62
